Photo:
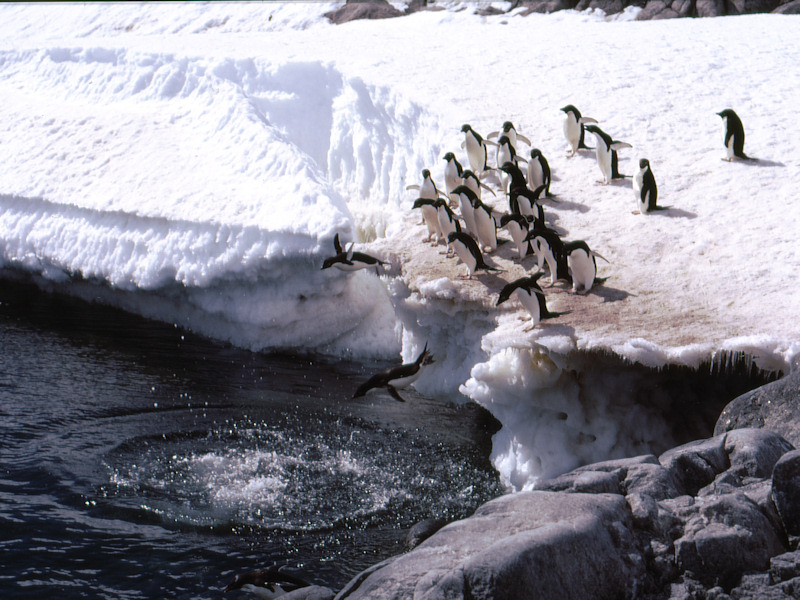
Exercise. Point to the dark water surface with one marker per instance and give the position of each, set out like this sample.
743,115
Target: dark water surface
139,461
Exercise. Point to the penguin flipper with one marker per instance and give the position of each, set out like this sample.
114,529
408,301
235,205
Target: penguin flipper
593,253
337,246
523,138
617,145
412,186
394,393
583,120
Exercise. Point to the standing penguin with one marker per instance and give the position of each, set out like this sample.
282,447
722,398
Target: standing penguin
549,249
427,189
518,227
511,133
733,135
582,265
506,153
476,149
465,197
573,128
644,186
469,253
604,152
525,201
452,176
538,171
472,181
485,226
448,222
397,377
527,291
428,208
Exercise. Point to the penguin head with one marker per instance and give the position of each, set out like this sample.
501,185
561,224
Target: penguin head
420,202
570,109
329,262
644,163
508,166
503,139
449,156
593,129
536,153
425,357
466,127
452,237
508,126
425,173
728,112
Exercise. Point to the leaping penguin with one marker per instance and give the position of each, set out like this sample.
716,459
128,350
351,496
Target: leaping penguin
582,266
351,261
469,253
268,583
606,147
573,128
539,171
511,133
733,135
476,149
397,377
644,186
527,291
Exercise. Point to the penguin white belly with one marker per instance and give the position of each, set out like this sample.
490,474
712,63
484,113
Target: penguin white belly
636,183
572,131
582,268
447,226
518,234
451,178
535,174
529,302
468,212
476,152
352,267
429,213
603,155
264,593
729,152
404,382
427,190
545,254
487,235
466,256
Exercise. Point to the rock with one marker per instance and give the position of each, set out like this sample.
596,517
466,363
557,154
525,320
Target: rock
790,8
313,592
696,464
651,479
786,491
563,545
710,8
754,452
746,7
362,9
590,482
422,531
774,407
784,566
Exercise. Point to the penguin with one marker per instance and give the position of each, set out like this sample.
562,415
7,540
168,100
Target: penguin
453,172
511,133
506,153
538,171
527,291
428,187
604,152
644,186
518,227
549,249
465,197
485,225
573,128
447,221
525,201
582,266
476,149
429,215
268,583
472,181
518,180
469,253
351,261
733,135
397,377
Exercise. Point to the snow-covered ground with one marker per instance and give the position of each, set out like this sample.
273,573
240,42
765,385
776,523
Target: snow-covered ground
192,162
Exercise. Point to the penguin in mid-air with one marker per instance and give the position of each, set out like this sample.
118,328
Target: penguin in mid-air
645,189
511,133
467,250
538,171
582,266
476,149
429,215
397,377
606,147
733,135
573,128
528,292
453,172
271,582
347,260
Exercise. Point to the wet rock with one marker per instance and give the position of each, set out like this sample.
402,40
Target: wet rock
786,491
422,531
696,464
590,482
313,592
774,407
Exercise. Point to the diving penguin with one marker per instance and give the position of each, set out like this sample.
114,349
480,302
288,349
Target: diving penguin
268,583
397,377
351,261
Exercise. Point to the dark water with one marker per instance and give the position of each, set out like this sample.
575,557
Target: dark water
138,461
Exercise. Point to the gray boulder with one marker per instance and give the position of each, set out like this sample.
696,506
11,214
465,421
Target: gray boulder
786,491
696,464
313,592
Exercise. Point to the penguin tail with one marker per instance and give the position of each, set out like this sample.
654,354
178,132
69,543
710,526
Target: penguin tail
600,280
394,393
553,315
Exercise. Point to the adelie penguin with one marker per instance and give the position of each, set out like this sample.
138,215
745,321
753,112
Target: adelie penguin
518,226
397,377
448,222
476,149
548,248
645,189
427,189
511,133
573,128
467,250
347,260
268,583
527,291
605,153
582,266
538,171
733,135
430,216
453,172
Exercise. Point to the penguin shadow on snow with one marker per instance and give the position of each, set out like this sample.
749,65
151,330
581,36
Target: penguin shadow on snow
754,161
608,293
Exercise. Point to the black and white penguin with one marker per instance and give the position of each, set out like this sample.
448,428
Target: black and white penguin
549,249
466,196
397,377
347,260
733,135
518,226
476,149
448,222
511,133
582,265
485,225
430,216
538,171
453,172
473,182
525,201
644,187
604,152
527,291
427,189
506,153
467,250
268,583
573,128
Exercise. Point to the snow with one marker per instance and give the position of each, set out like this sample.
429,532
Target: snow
192,162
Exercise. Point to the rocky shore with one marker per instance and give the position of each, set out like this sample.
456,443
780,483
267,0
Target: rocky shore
651,9
717,518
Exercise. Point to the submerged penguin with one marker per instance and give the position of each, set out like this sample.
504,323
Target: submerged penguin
476,149
644,186
349,260
469,253
397,377
582,266
527,291
573,128
733,135
605,153
271,582
538,171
